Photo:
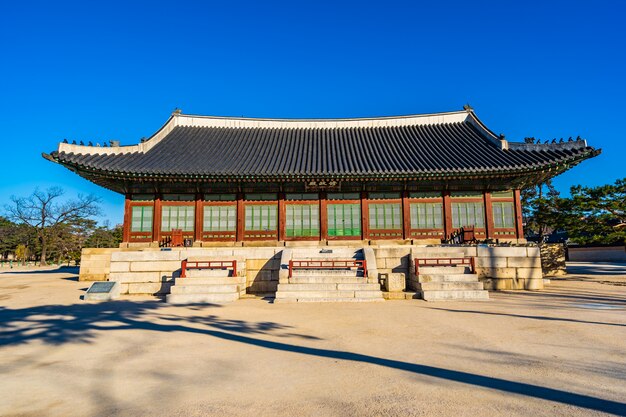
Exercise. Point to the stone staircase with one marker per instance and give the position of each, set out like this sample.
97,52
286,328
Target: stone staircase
443,283
326,285
205,286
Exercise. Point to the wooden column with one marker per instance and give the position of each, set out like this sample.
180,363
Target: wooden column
156,224
519,225
406,216
365,212
240,218
282,214
489,224
447,214
323,216
127,220
199,215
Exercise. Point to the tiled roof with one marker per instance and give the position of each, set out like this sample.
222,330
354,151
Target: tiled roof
404,147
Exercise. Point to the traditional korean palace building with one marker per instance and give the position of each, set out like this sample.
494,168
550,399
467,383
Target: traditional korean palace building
227,181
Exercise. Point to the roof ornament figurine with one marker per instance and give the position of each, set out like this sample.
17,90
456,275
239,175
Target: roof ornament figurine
73,142
64,140
467,107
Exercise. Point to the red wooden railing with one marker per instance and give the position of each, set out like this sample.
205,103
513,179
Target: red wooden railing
185,265
329,264
443,261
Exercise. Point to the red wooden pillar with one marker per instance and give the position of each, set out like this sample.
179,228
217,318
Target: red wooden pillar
447,214
127,219
240,218
365,214
406,216
519,226
282,214
323,216
199,214
489,216
156,224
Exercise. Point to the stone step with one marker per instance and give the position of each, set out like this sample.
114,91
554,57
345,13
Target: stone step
439,270
448,278
455,295
326,280
206,281
315,294
328,294
448,286
328,287
215,298
204,289
206,273
328,300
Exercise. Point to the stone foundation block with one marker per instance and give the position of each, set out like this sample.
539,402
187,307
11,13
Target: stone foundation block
492,262
533,251
394,263
149,288
534,262
392,252
497,272
154,266
146,256
263,275
529,273
120,267
126,277
263,287
264,264
93,277
501,252
395,282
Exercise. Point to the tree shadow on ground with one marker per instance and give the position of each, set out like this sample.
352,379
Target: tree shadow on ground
600,268
58,270
57,324
579,296
523,316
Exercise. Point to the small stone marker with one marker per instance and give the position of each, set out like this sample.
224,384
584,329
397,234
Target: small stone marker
103,291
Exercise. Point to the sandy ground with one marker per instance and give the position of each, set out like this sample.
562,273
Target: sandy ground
560,352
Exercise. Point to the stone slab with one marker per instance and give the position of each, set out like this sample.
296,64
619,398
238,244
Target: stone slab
103,291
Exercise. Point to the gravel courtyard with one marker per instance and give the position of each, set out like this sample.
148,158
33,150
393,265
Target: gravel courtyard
559,352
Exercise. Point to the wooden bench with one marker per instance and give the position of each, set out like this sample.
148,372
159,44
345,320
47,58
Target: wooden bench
195,264
443,262
327,264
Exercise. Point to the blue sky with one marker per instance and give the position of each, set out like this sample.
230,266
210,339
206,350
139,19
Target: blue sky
116,70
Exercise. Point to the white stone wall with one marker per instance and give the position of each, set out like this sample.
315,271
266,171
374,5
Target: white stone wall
152,271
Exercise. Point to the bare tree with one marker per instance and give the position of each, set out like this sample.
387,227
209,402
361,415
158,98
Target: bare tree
45,212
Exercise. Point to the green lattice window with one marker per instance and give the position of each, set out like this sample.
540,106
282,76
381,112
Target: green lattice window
385,216
141,219
468,214
177,217
220,219
502,194
503,215
261,217
426,215
344,219
302,220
